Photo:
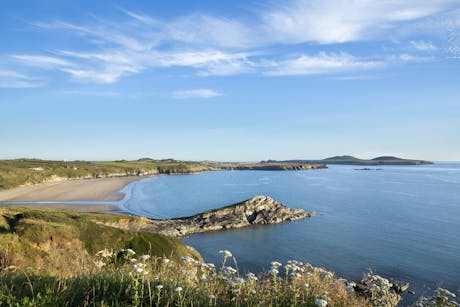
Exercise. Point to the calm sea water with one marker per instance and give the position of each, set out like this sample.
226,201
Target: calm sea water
401,221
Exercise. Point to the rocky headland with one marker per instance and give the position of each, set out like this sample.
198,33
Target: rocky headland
259,210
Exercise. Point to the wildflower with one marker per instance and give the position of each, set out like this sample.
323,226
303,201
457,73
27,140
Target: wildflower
132,260
138,270
178,289
275,264
99,263
274,271
320,302
187,259
128,251
166,260
306,285
204,279
230,270
144,257
251,276
252,291
146,272
211,296
159,287
226,253
235,290
240,280
105,253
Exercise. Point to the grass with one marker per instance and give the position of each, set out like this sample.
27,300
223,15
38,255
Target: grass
63,242
19,172
159,281
65,258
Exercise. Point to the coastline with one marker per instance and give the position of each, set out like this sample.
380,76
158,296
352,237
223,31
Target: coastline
101,189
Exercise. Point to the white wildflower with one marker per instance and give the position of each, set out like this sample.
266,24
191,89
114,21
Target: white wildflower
204,279
128,251
225,253
159,287
178,289
211,296
105,253
320,302
144,257
252,291
240,280
138,270
274,271
166,260
275,264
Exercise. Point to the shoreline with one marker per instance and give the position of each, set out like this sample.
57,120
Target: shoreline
72,190
57,194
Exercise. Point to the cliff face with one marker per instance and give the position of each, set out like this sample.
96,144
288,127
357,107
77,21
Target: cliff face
255,211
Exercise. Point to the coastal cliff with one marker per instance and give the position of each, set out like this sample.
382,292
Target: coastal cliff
258,210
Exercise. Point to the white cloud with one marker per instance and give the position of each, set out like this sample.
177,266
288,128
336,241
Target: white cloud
41,61
339,21
423,46
217,46
14,79
88,93
196,93
323,63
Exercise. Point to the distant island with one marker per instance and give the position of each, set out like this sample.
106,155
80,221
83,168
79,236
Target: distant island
350,160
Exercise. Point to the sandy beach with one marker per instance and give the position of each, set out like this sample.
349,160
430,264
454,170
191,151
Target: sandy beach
102,189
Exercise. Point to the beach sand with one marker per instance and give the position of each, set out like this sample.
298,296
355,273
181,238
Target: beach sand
102,189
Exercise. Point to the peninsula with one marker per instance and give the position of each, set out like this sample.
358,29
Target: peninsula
350,160
259,210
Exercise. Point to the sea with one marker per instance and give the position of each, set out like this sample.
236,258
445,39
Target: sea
401,222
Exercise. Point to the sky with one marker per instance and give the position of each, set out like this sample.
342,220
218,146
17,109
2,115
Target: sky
229,80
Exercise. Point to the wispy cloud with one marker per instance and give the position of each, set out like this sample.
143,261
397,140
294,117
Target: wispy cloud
88,93
196,93
14,79
42,61
339,21
207,45
423,46
322,63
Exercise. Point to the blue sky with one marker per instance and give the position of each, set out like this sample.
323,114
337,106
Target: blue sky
229,80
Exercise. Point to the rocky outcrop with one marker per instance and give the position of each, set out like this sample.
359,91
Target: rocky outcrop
258,210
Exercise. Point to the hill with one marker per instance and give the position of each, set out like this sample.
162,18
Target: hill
350,160
65,242
19,172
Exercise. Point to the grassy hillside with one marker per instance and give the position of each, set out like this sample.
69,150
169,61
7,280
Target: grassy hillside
30,171
18,172
65,242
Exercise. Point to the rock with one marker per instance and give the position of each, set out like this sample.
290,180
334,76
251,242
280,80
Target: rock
259,210
400,288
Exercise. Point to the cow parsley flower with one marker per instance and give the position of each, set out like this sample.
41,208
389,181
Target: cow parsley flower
320,302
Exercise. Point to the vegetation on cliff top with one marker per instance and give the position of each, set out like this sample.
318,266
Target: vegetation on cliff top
65,258
18,172
64,242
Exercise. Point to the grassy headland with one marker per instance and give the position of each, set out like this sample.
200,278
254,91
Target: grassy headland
65,258
14,173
